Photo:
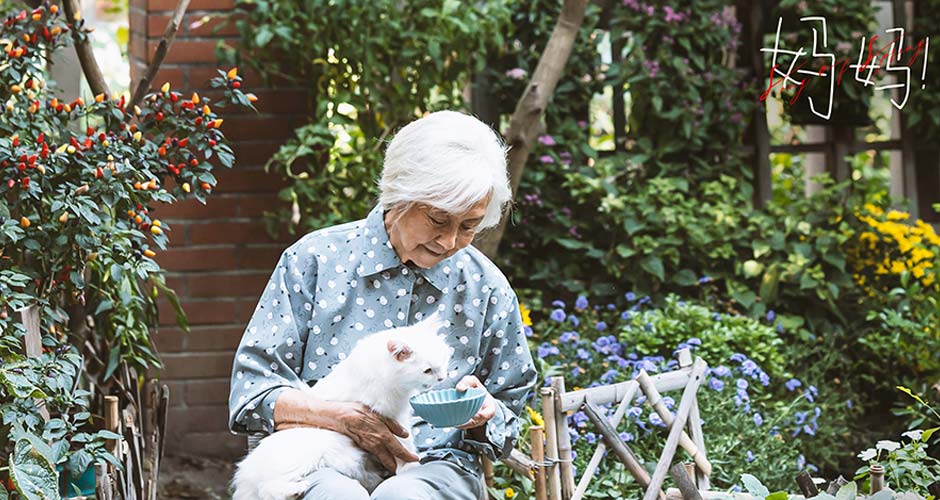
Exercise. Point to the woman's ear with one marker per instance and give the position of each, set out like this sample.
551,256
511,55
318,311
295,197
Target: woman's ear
399,349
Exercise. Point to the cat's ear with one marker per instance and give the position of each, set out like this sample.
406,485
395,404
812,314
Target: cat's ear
400,350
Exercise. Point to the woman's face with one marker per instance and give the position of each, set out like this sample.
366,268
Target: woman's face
425,235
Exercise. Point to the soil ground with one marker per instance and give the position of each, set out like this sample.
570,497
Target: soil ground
184,477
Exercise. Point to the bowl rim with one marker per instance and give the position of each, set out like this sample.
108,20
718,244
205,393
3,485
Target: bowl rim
468,396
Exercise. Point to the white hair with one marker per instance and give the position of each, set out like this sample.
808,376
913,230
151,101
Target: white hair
447,160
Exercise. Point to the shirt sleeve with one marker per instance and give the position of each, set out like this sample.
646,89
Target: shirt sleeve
507,371
269,358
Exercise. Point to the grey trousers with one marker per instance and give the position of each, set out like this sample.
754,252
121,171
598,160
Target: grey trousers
436,480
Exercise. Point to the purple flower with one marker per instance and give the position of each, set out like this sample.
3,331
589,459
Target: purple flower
545,350
738,357
579,418
704,279
568,336
590,437
546,159
527,330
716,384
656,420
672,15
581,302
626,316
558,304
741,383
758,419
750,456
694,341
811,393
574,320
771,315
557,315
547,140
721,371
626,436
633,4
600,326
630,296
583,355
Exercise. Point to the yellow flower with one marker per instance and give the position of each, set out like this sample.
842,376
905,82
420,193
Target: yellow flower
524,311
510,493
535,416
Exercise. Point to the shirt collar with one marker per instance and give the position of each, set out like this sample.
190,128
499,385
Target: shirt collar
377,254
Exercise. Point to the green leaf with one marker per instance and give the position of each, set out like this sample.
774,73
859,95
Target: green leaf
848,491
685,277
754,486
3,493
113,358
778,495
32,473
654,265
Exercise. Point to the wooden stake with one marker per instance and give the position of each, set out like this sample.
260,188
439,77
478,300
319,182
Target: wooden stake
538,454
566,471
112,422
654,399
551,440
686,485
685,406
620,449
877,473
834,486
602,447
806,484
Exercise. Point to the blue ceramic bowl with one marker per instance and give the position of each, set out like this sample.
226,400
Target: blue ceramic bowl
447,407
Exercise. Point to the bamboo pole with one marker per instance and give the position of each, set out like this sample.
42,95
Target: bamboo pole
685,482
620,449
606,394
538,454
566,471
601,447
698,437
672,442
112,422
551,440
654,399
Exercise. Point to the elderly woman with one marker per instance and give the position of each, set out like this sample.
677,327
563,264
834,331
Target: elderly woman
443,181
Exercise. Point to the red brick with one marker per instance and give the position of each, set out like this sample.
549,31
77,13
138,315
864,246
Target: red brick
217,338
177,393
207,392
260,257
193,259
221,444
198,419
244,180
156,24
177,283
255,205
170,340
193,5
138,4
254,127
229,232
211,311
137,47
282,101
186,51
212,24
256,153
136,20
197,366
240,284
217,206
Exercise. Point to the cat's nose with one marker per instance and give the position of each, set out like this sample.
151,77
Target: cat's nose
440,378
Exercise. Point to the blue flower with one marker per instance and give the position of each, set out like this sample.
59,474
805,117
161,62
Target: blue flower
626,316
568,336
764,379
645,300
558,304
656,420
601,326
811,393
750,456
574,320
583,354
770,316
741,383
545,350
626,436
716,317
579,419
779,327
630,296
557,315
527,330
609,376
694,341
849,404
800,417
634,412
750,367
611,307
738,357
648,326
704,279
590,437
721,371
669,402
716,384
581,302
792,384
758,419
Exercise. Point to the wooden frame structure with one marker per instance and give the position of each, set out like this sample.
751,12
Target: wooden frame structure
554,474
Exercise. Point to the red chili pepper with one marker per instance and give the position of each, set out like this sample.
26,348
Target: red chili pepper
25,182
159,116
41,139
11,183
184,142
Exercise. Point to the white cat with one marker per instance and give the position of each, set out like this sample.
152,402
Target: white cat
382,372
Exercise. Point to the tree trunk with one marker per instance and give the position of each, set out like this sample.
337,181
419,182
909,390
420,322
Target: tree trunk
524,125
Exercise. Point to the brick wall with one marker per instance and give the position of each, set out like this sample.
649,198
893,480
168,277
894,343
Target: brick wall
221,255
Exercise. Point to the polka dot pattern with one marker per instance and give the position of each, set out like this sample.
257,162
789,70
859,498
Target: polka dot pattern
313,311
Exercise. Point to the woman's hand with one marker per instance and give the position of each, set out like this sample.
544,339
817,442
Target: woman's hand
486,412
373,433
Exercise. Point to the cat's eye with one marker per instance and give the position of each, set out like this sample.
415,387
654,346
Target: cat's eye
429,371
